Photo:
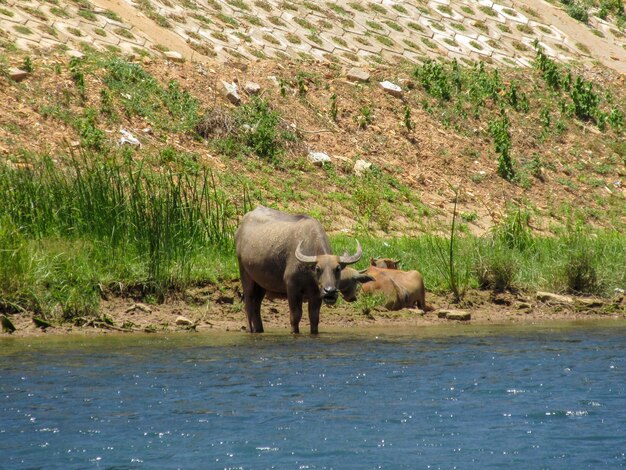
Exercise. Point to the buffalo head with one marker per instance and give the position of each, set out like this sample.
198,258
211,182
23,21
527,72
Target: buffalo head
327,270
387,263
350,279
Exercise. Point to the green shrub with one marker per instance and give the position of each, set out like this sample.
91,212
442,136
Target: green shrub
434,79
253,128
584,99
91,137
495,266
580,270
578,12
514,230
499,129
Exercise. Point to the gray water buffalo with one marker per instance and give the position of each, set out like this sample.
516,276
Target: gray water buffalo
286,255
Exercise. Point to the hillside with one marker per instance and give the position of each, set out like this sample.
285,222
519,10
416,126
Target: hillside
574,163
513,113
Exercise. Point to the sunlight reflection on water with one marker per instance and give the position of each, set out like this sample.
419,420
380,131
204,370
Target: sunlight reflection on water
496,397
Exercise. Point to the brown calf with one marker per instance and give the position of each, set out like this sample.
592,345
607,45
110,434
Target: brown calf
403,289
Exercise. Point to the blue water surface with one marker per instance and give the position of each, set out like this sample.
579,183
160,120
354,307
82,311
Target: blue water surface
532,397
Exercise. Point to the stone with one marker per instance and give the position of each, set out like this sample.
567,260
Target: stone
138,306
391,88
17,75
318,158
522,305
554,298
460,315
183,321
589,303
361,166
252,88
174,56
229,90
356,74
75,54
128,139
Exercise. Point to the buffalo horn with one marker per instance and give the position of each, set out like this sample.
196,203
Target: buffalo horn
354,258
302,257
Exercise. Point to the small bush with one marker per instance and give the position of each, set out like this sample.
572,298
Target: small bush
580,271
514,230
434,79
578,12
499,129
584,99
496,267
253,128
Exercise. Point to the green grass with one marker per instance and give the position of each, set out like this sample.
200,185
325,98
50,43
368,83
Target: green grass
125,229
120,223
140,94
549,264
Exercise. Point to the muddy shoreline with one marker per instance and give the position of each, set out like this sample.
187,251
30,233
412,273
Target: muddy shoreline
225,314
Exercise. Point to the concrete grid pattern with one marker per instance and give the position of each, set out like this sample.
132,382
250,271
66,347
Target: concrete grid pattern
352,32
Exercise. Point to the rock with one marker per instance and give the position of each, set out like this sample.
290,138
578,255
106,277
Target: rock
361,166
17,75
128,139
174,56
252,88
229,90
391,88
589,303
460,315
356,74
554,298
183,321
7,325
318,158
75,54
522,305
138,306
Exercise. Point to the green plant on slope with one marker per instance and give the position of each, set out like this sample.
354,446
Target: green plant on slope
499,129
434,79
584,99
333,107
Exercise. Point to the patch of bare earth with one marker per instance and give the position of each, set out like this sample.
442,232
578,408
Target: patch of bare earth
211,310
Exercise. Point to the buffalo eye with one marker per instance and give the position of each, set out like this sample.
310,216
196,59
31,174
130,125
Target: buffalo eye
338,268
318,270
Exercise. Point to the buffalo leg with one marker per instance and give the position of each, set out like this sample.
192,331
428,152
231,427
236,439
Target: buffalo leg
295,311
252,297
314,314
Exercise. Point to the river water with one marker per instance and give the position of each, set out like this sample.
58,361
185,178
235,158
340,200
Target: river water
467,397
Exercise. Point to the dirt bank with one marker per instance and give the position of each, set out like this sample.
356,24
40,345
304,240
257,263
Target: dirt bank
206,310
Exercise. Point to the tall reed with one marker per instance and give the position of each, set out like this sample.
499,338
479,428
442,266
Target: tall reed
165,218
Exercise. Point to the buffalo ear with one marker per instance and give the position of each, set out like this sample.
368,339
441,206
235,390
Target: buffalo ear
363,278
